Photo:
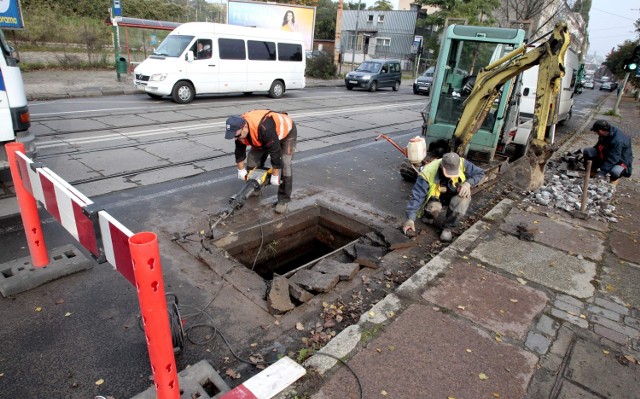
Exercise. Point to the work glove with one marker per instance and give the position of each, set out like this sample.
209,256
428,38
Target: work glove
465,190
242,174
275,180
409,228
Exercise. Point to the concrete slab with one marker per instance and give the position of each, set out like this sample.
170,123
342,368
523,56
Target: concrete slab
120,160
450,358
165,174
557,234
493,301
346,271
315,281
179,151
572,391
535,262
20,275
625,246
601,373
75,125
620,279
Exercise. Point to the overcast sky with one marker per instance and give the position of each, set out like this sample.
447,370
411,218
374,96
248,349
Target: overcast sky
611,22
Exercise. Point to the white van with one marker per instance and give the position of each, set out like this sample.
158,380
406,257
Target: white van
564,104
209,58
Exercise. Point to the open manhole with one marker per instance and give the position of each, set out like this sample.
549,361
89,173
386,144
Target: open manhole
286,244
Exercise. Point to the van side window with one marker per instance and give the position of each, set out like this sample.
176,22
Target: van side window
203,49
384,69
289,52
232,49
261,51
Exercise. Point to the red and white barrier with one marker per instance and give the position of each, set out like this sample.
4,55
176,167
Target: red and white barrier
115,239
269,382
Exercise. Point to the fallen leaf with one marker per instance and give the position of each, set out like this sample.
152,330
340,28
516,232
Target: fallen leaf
232,373
383,392
100,382
535,222
483,376
391,348
496,395
67,314
583,316
38,309
606,352
521,281
465,257
450,397
59,301
498,337
461,307
628,357
390,314
513,300
253,345
299,326
372,314
469,350
1,374
378,350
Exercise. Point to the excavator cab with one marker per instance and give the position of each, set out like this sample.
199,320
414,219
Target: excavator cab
464,51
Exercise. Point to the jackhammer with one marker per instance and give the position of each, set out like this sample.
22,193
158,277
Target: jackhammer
256,179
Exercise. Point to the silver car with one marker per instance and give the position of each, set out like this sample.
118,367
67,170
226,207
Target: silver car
422,85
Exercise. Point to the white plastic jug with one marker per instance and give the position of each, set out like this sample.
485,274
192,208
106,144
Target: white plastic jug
416,149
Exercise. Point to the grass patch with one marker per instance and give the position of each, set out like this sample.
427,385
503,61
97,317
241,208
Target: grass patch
611,113
368,335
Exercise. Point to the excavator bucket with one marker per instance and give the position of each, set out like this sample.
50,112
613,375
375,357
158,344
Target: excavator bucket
527,172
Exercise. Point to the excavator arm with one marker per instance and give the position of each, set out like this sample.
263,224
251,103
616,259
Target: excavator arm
527,172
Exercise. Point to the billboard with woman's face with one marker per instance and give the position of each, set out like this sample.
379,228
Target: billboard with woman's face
286,17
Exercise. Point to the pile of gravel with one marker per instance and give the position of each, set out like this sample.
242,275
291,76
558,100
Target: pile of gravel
562,191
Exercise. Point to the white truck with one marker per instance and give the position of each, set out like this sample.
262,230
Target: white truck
14,113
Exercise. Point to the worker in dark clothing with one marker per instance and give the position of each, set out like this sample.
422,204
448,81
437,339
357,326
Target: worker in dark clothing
612,153
442,183
269,134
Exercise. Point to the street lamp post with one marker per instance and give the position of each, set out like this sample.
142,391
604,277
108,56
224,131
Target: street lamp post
355,44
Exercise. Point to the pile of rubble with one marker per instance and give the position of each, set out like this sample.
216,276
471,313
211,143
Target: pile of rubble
564,191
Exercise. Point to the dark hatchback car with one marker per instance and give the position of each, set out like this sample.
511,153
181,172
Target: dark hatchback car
422,85
608,86
373,74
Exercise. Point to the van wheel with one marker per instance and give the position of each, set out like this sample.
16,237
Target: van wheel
373,86
154,96
277,89
396,86
183,93
349,87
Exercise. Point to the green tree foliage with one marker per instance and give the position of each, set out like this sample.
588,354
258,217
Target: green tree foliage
354,5
615,60
582,7
477,12
321,67
382,5
326,20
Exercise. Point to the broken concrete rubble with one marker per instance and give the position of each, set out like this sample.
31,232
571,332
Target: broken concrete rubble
298,293
369,256
346,271
315,281
278,300
396,239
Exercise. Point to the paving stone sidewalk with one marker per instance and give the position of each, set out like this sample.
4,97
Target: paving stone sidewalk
493,316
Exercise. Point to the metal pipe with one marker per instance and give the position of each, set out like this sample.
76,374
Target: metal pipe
355,44
585,187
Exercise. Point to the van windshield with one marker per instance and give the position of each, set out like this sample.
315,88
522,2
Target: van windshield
368,66
173,45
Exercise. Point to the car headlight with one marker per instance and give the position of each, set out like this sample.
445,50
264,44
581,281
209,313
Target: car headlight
366,77
415,82
159,77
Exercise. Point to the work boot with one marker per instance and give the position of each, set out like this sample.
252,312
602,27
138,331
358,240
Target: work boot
615,182
446,235
281,207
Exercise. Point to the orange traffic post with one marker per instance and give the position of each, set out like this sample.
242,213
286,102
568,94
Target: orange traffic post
28,210
145,255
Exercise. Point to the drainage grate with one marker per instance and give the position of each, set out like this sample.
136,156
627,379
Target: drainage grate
286,244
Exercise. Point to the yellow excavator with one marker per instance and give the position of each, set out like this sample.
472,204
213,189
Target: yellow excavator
474,110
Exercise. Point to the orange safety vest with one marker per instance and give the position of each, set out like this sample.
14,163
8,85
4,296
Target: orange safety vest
283,125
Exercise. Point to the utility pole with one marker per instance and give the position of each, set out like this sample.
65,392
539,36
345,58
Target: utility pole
337,48
355,44
620,91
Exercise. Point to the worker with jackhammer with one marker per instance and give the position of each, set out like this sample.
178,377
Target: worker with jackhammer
269,134
612,153
442,194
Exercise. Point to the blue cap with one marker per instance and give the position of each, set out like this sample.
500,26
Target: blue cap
234,123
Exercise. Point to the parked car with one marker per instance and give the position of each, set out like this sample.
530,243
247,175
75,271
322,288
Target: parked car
588,85
422,85
373,74
608,86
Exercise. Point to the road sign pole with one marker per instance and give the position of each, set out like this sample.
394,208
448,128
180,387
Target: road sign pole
624,83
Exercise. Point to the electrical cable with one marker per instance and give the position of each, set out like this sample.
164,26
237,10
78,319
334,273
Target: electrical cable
348,367
261,234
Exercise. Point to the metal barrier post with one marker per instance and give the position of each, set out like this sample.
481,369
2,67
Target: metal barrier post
28,210
145,255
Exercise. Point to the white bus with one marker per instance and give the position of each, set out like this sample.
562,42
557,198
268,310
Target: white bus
14,113
209,58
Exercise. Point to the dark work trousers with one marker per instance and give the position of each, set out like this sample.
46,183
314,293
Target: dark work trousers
591,154
456,208
258,157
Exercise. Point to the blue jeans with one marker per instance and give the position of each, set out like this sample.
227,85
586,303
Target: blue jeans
591,154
